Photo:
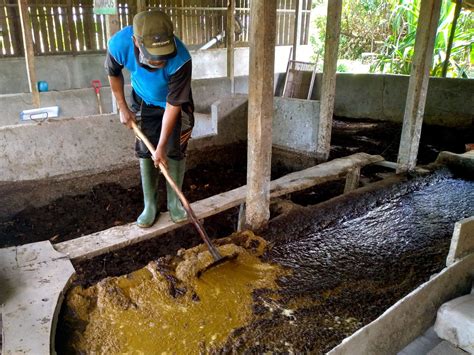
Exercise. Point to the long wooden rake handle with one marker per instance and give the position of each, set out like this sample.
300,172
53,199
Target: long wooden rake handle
197,224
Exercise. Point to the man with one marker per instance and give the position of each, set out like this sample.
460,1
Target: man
160,70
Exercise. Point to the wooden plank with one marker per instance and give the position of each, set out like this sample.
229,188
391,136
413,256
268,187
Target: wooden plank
260,111
71,26
5,29
328,88
49,19
89,28
29,51
118,237
13,16
40,11
79,26
418,84
59,28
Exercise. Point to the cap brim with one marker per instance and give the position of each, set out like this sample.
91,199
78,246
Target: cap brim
161,53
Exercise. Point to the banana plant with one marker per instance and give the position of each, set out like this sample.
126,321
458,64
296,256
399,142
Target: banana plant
397,52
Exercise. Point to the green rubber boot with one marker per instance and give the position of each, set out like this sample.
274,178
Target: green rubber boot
149,177
176,169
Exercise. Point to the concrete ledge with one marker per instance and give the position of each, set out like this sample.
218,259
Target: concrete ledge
33,279
59,147
462,242
458,162
455,322
412,315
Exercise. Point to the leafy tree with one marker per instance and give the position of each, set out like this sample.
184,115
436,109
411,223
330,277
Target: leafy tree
386,30
397,53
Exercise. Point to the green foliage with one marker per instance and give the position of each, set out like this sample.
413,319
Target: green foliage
397,53
364,26
386,30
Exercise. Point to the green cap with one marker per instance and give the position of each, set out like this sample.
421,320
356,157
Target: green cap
153,31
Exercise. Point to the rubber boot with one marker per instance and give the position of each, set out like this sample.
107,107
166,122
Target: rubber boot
176,169
149,176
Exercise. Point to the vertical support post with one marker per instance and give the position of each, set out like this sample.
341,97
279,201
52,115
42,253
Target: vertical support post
328,88
352,180
260,107
230,36
183,21
112,24
141,5
29,51
297,31
418,84
457,11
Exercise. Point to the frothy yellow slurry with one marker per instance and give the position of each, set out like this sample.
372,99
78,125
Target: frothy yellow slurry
153,311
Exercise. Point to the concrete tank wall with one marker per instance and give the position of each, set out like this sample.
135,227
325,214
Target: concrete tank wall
64,72
450,102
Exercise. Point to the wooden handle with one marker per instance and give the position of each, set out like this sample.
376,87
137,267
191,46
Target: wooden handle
213,250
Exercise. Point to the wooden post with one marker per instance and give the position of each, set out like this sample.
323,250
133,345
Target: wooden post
29,51
260,107
328,88
297,31
112,24
230,36
141,5
418,84
352,180
457,11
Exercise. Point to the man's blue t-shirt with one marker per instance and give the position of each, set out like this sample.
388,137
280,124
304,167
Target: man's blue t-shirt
151,86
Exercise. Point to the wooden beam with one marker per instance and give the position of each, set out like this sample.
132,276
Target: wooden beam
457,11
141,5
261,77
328,88
230,36
29,51
418,84
297,30
118,237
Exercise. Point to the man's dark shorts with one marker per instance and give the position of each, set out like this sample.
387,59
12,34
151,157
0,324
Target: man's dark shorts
150,124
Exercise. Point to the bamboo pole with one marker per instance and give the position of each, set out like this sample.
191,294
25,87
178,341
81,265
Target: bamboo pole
29,51
457,12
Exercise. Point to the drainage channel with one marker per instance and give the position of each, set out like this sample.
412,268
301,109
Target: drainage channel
343,263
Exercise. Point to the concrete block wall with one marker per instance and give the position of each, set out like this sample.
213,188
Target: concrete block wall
450,102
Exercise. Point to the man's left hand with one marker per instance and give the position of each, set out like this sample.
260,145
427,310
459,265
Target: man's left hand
160,157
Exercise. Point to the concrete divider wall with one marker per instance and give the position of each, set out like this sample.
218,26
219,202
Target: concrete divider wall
295,124
65,72
450,102
97,143
59,147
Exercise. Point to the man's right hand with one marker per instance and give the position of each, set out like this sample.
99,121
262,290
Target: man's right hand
127,117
